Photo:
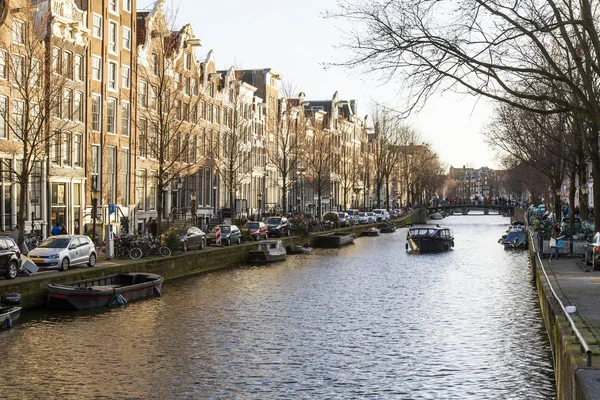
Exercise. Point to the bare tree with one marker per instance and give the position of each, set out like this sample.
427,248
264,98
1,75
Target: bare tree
36,95
168,105
318,159
488,48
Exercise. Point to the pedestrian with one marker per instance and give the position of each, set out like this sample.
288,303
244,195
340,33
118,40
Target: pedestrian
63,229
153,228
56,230
553,243
148,223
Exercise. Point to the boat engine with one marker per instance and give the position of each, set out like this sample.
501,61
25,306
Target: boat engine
11,299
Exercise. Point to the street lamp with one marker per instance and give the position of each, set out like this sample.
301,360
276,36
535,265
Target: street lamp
259,205
95,195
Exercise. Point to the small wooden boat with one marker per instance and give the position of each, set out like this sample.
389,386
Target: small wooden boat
298,249
372,231
9,309
428,239
335,239
268,251
111,290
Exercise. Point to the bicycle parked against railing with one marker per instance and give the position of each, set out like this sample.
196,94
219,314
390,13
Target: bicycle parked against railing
145,247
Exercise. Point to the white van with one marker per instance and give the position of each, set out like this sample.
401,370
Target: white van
381,214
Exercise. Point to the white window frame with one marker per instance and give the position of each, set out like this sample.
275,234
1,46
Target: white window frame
113,76
111,101
126,38
99,127
4,64
97,29
97,59
18,33
127,6
113,36
78,61
115,9
126,76
125,123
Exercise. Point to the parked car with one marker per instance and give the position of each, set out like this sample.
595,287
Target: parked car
371,217
381,215
229,234
279,226
354,216
331,220
592,251
192,238
344,219
258,230
63,251
363,218
10,258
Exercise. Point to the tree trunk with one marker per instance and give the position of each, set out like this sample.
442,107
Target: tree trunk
21,215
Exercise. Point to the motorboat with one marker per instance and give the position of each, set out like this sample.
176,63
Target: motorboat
429,239
268,251
437,215
372,231
10,309
514,240
298,249
110,290
336,239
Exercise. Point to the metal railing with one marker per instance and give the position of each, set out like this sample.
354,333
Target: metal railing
585,348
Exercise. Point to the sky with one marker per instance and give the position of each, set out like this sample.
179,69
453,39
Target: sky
294,39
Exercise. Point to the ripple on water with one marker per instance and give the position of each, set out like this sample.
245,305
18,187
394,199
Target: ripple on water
366,321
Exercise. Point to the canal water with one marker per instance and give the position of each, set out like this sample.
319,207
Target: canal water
366,321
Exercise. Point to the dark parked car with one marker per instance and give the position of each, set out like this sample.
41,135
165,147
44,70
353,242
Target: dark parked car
257,230
592,251
10,258
229,234
279,226
192,238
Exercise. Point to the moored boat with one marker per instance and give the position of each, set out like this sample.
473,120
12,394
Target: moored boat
267,251
298,249
372,231
10,309
386,227
336,239
514,240
111,290
429,239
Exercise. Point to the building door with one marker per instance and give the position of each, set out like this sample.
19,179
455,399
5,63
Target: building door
59,206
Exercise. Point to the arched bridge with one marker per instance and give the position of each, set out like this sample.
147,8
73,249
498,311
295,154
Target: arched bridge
465,208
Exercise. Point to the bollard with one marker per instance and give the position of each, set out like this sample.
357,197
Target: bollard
9,322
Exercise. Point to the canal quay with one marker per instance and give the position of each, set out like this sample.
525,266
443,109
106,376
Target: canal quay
368,320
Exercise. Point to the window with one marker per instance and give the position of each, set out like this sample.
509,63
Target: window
77,150
193,148
112,37
177,80
211,89
126,38
194,86
78,68
66,148
140,189
186,85
55,148
153,97
95,167
68,104
210,113
96,68
152,195
125,116
97,26
18,107
78,107
18,34
68,65
3,69
127,5
177,109
202,110
126,76
194,114
155,64
187,64
112,76
217,115
143,94
113,6
124,177
56,65
152,140
111,111
96,104
18,69
111,166
186,112
3,121
142,144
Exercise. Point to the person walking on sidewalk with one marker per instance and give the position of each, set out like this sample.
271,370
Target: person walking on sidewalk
553,243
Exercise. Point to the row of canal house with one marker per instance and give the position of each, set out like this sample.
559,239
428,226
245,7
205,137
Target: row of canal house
100,101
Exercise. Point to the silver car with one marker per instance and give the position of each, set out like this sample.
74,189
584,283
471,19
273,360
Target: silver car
62,251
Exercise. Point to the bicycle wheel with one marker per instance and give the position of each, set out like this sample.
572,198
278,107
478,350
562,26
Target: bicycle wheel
135,253
102,252
146,249
122,252
164,251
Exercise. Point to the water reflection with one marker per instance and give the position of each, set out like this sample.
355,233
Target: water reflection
364,321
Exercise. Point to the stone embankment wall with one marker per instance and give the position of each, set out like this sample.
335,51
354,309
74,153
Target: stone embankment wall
33,289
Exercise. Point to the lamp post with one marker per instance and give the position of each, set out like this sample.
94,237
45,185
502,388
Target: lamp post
95,195
215,198
193,197
259,205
